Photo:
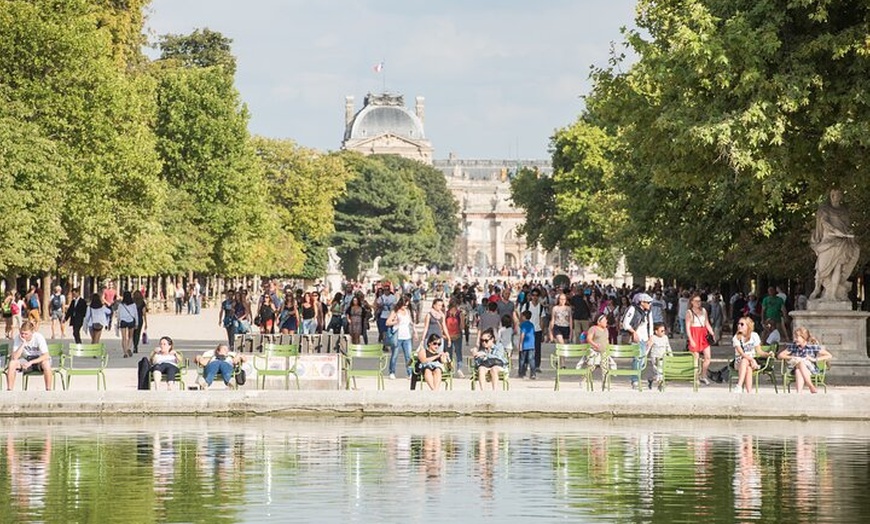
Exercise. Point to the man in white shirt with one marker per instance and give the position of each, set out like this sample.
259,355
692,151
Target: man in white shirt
639,324
29,353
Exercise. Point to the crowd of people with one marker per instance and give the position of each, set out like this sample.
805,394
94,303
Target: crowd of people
506,319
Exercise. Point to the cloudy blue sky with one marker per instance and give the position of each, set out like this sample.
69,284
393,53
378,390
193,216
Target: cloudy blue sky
499,76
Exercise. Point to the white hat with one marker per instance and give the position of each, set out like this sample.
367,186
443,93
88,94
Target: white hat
642,297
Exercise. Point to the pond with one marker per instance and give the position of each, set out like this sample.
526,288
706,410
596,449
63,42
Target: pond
432,470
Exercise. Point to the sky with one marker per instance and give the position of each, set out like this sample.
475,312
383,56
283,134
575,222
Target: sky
498,76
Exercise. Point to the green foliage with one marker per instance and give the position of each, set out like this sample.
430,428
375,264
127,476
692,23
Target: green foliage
31,175
59,64
713,150
209,163
382,214
439,199
202,48
304,186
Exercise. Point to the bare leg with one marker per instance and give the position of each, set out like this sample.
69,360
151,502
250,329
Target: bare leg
436,378
481,376
705,365
47,375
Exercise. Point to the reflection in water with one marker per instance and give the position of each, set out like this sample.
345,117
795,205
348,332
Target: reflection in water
354,473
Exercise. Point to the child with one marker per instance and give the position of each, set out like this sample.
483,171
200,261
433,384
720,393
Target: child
527,346
658,348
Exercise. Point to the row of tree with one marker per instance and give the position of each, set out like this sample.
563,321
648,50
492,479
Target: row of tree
112,163
708,155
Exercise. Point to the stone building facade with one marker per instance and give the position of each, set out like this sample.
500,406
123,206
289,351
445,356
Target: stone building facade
488,219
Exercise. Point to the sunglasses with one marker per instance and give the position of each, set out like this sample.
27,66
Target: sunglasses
487,339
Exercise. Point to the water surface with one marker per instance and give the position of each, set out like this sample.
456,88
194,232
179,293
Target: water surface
421,470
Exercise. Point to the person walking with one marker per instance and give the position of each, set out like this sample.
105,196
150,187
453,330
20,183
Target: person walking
128,316
697,330
141,321
75,315
97,318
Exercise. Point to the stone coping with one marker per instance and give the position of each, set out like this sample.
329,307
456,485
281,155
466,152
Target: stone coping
848,404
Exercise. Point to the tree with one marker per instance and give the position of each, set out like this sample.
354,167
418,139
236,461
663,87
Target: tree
202,48
439,199
31,173
726,133
208,160
382,214
304,186
59,64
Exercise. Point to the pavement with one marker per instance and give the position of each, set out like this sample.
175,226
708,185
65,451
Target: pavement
526,398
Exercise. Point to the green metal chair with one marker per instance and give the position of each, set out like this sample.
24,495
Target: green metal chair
356,355
628,353
55,351
179,377
564,361
4,357
768,369
503,375
818,379
72,361
200,373
418,380
277,360
679,368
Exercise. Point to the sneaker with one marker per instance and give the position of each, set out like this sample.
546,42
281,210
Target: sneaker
704,381
533,377
634,385
392,376
460,374
200,381
649,383
737,390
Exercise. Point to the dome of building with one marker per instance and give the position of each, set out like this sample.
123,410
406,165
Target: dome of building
385,114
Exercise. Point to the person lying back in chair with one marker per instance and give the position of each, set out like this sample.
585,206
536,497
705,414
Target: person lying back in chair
219,361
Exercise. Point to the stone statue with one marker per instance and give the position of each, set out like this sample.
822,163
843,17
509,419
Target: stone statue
836,249
333,261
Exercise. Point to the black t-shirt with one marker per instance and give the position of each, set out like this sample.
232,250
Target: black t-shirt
580,307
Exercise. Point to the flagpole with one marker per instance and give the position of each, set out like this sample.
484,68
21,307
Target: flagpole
383,76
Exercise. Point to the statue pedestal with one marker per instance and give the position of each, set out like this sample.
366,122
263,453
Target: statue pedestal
844,333
333,280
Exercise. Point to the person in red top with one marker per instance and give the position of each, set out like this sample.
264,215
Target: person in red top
109,296
455,321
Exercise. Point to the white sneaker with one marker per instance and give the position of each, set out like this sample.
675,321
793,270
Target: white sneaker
392,376
737,390
200,381
460,374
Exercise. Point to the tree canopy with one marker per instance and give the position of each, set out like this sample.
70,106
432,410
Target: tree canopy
708,156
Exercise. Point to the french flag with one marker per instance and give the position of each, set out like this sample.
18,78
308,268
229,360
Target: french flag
378,67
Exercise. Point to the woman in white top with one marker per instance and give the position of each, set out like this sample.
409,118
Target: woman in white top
128,318
97,318
164,360
560,321
746,343
400,320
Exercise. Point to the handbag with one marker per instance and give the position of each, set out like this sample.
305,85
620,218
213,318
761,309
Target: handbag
144,337
710,339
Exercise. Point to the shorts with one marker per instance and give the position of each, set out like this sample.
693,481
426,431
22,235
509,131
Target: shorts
565,331
128,324
34,368
56,315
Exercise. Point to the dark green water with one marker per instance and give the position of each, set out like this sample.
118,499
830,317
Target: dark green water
420,470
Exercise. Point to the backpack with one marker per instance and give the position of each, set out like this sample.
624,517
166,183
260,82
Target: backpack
34,301
55,302
636,318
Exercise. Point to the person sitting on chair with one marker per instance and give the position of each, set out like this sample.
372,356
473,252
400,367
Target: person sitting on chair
219,361
29,353
164,359
432,359
490,358
802,357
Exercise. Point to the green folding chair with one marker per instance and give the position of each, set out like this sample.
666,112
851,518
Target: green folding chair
277,360
628,353
356,358
79,361
55,351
